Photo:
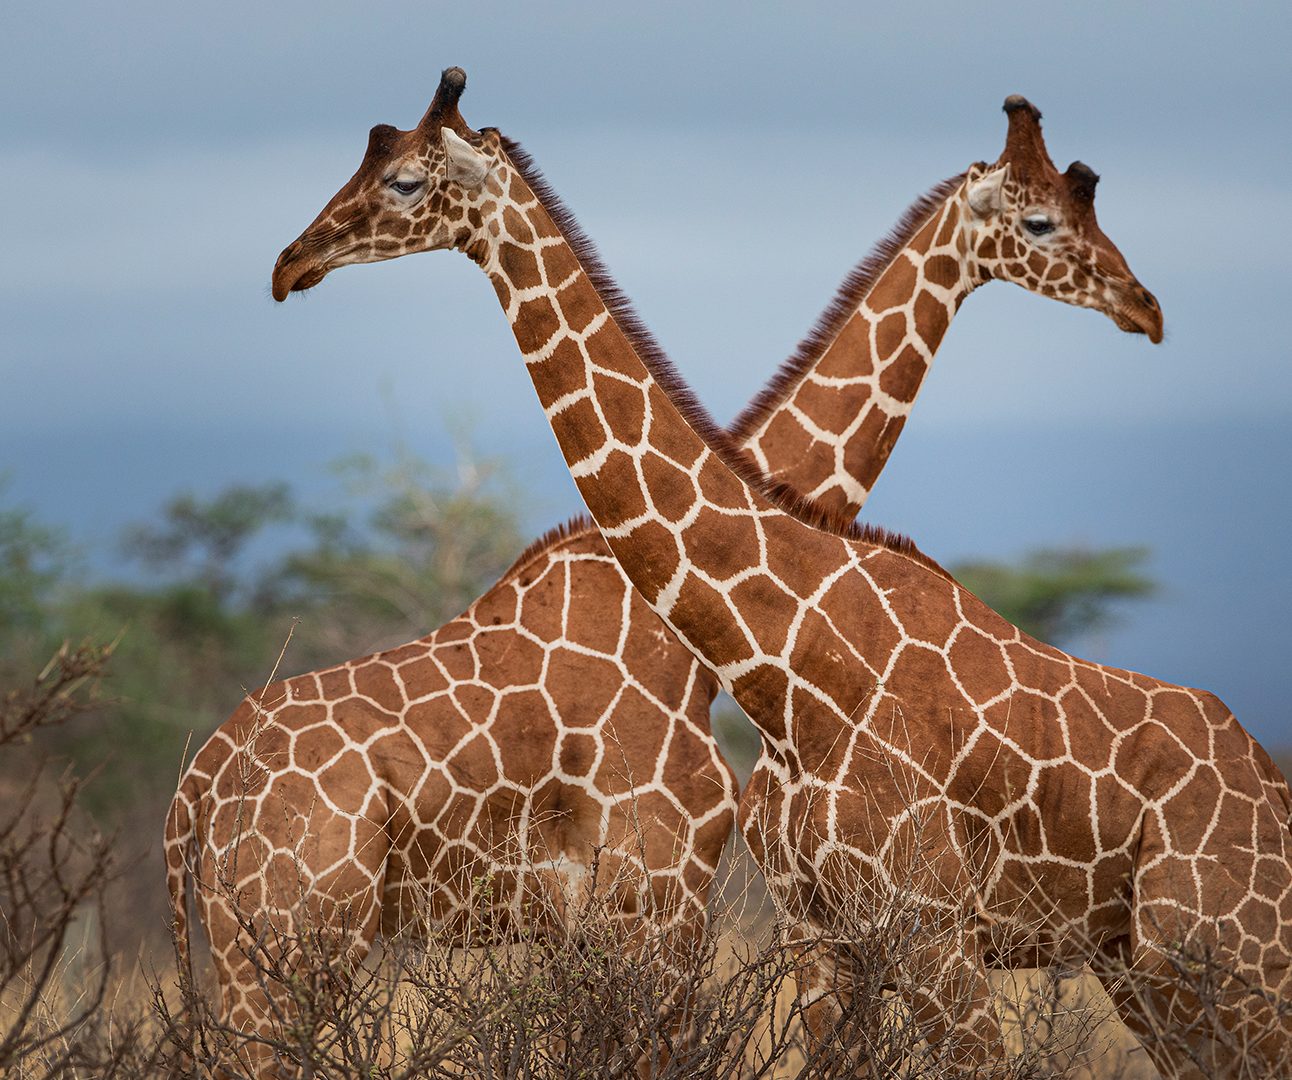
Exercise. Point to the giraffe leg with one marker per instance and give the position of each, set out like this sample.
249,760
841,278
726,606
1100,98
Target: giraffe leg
1171,1062
1201,991
292,906
946,989
827,1001
940,1021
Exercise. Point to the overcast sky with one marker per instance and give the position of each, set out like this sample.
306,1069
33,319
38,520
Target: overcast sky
731,162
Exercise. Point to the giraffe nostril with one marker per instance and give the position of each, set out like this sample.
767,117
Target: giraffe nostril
1149,299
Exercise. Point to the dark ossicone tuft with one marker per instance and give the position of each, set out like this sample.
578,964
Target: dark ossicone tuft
663,371
1017,101
855,288
453,81
380,139
1082,180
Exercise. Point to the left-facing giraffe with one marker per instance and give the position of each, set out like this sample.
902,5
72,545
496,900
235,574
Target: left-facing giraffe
558,708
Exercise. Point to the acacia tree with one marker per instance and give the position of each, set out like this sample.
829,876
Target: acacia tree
1060,594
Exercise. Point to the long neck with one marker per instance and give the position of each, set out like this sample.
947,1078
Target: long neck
828,423
680,520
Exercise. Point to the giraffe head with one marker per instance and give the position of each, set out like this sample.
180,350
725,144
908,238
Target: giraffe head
1035,226
421,190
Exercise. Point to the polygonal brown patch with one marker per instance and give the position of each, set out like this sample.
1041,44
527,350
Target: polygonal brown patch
672,491
1067,794
762,693
457,659
517,227
831,408
784,441
979,663
894,286
609,349
559,264
562,373
822,659
716,487
925,603
377,681
931,319
475,702
652,553
1121,705
312,749
507,659
633,738
942,270
1189,813
720,545
335,683
889,335
1029,719
348,781
579,431
702,614
583,685
758,598
580,304
525,737
626,402
595,618
902,378
848,356
535,324
519,266
861,621
577,753
670,434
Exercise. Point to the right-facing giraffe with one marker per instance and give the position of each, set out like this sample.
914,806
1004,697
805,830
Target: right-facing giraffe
1058,810
558,714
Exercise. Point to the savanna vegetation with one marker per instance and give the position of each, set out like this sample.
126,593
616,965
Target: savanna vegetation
216,596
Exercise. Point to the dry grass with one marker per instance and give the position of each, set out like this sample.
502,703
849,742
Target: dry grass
602,997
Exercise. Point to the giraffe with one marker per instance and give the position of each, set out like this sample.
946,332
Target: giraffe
610,676
1075,811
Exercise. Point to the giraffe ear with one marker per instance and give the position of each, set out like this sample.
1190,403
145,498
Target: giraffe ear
986,194
467,166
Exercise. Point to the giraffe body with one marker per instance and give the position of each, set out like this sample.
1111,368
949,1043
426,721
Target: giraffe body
501,749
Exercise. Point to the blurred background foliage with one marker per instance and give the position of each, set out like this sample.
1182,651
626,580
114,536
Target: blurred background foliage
214,590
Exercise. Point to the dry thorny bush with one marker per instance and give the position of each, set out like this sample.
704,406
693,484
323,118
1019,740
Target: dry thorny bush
605,996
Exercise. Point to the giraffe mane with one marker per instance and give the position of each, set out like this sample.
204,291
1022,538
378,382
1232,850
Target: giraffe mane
723,443
852,291
554,537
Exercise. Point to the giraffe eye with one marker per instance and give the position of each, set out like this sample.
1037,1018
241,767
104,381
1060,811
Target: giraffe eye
1038,226
406,187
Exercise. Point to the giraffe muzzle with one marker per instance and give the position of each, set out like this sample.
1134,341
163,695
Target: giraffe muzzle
1138,312
296,271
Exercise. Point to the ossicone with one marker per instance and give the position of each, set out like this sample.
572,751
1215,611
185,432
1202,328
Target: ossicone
1024,144
443,111
1081,179
380,139
1015,102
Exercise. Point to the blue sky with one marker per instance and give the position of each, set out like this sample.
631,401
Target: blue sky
731,161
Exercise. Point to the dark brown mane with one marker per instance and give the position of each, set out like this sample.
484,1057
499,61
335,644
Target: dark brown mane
555,536
855,288
663,371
